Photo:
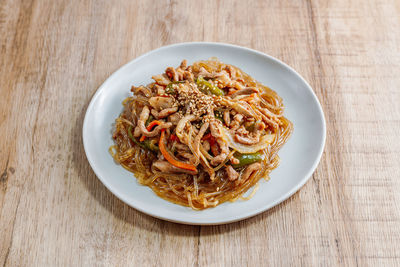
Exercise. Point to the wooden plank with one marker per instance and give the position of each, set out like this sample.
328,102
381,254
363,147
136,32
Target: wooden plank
55,54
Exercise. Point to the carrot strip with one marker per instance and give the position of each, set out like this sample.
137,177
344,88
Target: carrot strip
149,128
152,124
207,136
170,158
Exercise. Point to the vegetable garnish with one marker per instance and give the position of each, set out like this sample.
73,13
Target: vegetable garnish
170,158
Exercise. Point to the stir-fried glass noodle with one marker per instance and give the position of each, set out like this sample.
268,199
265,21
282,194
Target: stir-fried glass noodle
201,135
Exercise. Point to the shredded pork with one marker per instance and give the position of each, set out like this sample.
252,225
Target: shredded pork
199,121
232,174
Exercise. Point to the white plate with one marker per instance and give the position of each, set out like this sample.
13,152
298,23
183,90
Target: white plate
299,156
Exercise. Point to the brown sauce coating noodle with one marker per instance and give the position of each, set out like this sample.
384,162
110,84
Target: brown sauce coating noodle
220,132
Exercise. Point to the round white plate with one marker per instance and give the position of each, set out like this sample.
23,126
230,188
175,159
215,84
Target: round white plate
299,156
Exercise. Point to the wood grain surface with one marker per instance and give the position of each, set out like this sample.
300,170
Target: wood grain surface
55,54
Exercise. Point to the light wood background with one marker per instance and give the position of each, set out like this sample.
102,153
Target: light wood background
55,54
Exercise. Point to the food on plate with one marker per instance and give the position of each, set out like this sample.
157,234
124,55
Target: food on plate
201,135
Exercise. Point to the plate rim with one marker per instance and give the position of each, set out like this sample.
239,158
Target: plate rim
253,212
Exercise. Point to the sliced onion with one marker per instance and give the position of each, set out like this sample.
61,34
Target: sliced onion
265,140
205,153
181,125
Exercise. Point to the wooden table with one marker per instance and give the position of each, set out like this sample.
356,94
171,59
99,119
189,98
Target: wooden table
55,54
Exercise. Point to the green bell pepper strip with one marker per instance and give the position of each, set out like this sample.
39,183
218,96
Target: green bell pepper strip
146,144
150,119
169,89
208,87
246,159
